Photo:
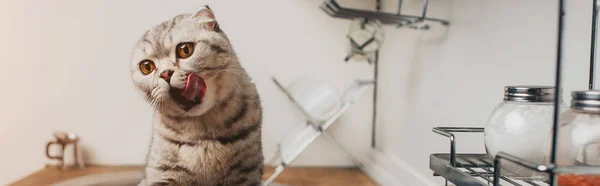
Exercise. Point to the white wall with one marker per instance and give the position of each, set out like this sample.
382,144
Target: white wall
457,79
65,68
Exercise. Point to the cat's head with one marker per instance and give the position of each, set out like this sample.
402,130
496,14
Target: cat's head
189,46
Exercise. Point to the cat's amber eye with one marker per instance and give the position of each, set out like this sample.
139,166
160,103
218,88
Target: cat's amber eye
147,67
184,50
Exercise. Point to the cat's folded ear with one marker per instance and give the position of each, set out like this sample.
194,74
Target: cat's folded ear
206,15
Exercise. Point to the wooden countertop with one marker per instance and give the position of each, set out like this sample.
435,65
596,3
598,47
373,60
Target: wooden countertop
301,176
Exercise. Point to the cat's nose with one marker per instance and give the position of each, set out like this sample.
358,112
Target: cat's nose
166,75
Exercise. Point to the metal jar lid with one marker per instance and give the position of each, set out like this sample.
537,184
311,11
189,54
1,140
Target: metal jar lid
586,100
529,93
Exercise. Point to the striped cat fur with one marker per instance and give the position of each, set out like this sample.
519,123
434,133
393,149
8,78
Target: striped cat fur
216,142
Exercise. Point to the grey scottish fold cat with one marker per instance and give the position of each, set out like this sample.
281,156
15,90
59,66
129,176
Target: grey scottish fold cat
207,119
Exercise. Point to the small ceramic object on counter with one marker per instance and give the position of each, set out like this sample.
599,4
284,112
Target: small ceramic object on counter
579,136
520,125
70,155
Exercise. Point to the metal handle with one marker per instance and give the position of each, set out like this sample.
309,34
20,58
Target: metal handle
48,150
448,132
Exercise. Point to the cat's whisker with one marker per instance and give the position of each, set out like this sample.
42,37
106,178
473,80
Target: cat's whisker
154,91
159,104
234,78
233,71
152,102
149,98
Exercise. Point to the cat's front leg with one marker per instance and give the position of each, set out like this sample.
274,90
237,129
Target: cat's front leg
154,177
154,182
246,176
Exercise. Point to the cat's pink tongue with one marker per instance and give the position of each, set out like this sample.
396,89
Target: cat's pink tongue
195,88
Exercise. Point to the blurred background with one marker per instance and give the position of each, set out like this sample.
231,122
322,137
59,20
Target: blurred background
65,67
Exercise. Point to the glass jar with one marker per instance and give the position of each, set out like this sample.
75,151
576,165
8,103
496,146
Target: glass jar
520,125
579,136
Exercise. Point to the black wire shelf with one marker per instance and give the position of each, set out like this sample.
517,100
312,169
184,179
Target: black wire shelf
474,169
480,169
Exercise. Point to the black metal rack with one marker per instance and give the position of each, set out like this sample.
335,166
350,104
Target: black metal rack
332,8
480,169
470,169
